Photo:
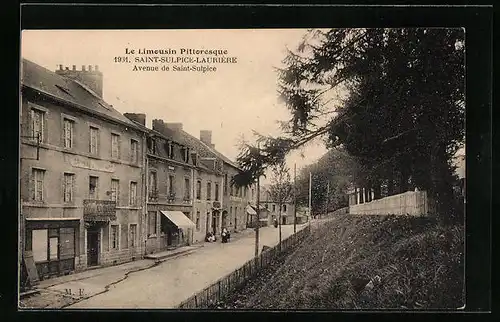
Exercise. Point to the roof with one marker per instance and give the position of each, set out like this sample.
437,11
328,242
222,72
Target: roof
41,79
203,149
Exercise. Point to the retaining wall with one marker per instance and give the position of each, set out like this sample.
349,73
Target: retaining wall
413,203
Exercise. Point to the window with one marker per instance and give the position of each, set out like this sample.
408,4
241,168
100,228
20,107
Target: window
284,208
68,133
94,140
187,189
38,124
151,145
114,237
216,192
38,177
198,220
274,208
171,150
93,181
134,151
115,190
185,154
171,185
198,189
209,190
68,187
39,245
133,234
115,146
124,236
225,184
133,194
151,223
153,187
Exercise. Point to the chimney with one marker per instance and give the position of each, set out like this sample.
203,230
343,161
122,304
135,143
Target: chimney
90,78
137,117
158,125
174,126
96,68
206,137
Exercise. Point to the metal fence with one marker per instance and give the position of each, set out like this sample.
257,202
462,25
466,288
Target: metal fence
231,282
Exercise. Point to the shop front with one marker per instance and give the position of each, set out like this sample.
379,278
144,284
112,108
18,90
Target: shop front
97,215
53,244
177,229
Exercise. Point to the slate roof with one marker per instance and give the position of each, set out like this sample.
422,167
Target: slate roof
203,149
46,81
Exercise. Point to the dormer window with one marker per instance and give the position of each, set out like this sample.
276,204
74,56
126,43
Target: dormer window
170,150
185,154
151,145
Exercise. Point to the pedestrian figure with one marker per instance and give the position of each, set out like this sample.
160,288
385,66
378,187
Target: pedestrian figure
225,235
275,223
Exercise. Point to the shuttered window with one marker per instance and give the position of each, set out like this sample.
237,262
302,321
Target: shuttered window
68,187
134,151
38,177
94,140
124,236
115,146
68,133
38,124
114,237
133,235
133,194
115,190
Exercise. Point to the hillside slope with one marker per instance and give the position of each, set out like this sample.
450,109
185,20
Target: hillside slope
407,262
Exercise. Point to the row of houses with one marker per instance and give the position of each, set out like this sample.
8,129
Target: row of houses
99,188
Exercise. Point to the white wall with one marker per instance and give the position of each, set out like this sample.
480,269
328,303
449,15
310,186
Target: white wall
412,203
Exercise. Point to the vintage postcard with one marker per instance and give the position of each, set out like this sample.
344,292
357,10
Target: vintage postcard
219,169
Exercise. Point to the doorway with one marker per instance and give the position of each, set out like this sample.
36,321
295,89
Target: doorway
93,247
284,220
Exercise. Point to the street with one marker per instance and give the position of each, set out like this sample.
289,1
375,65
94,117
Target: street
173,281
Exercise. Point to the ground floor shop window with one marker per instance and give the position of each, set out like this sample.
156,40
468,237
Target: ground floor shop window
53,247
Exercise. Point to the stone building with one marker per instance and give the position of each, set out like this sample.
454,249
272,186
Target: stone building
170,168
273,207
230,212
81,173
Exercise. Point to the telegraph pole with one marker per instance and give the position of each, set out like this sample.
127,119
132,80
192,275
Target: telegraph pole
294,198
310,201
258,210
327,198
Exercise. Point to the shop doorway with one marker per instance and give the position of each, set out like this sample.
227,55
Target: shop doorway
93,245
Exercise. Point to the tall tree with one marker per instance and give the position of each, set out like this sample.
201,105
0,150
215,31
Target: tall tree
402,109
280,189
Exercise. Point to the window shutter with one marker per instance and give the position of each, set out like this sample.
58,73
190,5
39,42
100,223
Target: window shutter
33,185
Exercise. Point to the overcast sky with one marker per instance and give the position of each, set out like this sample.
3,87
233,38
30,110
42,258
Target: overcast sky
232,101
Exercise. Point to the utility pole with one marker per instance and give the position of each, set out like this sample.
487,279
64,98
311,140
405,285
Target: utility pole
258,210
310,195
294,198
327,198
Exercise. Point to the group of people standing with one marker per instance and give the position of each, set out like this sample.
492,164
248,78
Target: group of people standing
225,235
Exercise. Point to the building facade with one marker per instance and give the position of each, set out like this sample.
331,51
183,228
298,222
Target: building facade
273,211
81,173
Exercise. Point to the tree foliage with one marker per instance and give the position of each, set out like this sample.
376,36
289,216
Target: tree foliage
402,113
281,189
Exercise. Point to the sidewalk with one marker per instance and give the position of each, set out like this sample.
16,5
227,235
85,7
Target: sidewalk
65,290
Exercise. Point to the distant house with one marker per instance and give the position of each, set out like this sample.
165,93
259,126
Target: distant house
273,208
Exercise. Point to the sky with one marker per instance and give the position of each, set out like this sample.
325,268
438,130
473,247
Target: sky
232,101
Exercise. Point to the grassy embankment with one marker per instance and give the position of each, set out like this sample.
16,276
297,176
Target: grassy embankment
407,262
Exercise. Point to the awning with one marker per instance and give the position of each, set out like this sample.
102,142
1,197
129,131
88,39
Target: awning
179,219
251,211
